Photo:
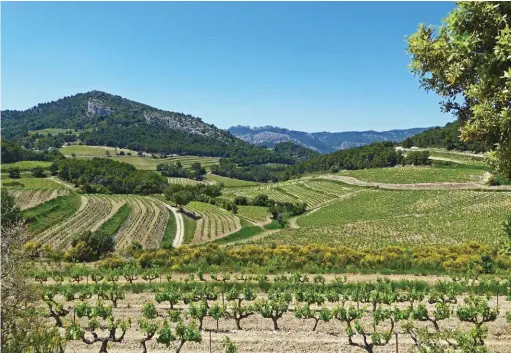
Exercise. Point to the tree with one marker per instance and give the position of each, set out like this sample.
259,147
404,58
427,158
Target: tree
182,333
38,172
237,310
467,61
99,318
147,325
274,307
14,173
216,311
407,143
23,329
11,214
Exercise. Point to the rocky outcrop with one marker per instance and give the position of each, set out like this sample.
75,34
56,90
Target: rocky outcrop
96,107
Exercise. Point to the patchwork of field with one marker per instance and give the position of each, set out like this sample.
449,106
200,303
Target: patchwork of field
315,192
377,218
144,162
214,222
422,174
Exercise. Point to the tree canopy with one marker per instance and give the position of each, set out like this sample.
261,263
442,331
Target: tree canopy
467,61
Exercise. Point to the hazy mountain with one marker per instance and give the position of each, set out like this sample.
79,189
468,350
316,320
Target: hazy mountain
324,142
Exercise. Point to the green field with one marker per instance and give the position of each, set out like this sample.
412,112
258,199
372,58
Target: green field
144,163
190,226
422,174
25,165
376,218
229,182
52,212
92,151
29,182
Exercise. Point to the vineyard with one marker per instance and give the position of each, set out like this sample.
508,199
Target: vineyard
315,192
183,181
411,174
214,222
230,182
33,197
254,214
151,309
374,218
93,212
145,224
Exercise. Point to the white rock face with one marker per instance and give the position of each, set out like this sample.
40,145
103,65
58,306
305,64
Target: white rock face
96,107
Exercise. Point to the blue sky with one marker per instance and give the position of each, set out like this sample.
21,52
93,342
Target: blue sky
330,66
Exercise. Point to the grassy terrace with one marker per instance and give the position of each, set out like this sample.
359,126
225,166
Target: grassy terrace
25,165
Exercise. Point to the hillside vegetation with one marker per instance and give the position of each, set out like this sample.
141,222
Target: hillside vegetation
108,120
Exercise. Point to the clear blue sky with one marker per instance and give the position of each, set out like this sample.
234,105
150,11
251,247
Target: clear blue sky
306,66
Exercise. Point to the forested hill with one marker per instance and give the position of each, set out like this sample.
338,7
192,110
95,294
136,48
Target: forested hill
104,119
323,142
445,137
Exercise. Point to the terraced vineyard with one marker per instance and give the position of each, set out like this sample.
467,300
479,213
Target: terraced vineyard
145,224
376,218
93,212
33,197
315,192
215,222
410,174
254,214
184,181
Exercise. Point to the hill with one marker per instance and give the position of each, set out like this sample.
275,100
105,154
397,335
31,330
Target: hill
323,142
447,137
102,119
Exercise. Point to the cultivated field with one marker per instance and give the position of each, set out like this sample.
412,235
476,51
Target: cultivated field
93,212
254,214
422,174
315,192
29,182
375,218
312,316
145,224
184,181
214,222
25,165
33,197
230,182
144,163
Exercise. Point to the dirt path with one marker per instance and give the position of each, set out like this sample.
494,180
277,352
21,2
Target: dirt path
418,186
57,180
180,227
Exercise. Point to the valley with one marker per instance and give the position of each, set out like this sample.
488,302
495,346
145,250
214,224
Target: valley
296,244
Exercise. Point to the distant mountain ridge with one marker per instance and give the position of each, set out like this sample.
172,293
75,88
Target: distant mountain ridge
323,142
